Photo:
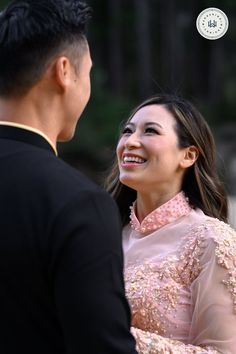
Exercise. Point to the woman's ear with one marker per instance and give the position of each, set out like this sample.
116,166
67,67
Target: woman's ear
191,154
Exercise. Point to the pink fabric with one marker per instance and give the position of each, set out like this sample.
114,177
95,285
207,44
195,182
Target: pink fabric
165,214
181,283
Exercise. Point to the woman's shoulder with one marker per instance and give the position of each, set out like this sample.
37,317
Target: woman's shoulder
218,236
209,226
213,228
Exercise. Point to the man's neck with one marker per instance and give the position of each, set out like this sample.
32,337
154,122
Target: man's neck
25,113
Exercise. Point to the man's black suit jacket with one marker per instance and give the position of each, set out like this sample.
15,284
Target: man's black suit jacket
61,284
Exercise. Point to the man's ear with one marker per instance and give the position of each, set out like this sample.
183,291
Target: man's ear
63,72
191,154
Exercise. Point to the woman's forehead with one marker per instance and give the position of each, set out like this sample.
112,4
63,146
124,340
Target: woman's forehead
152,113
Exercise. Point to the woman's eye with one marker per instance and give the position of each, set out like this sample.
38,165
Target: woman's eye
151,130
126,131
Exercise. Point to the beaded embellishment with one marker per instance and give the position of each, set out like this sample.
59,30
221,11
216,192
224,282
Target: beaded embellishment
165,214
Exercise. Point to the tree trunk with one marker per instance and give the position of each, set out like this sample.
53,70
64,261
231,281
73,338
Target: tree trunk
115,46
143,46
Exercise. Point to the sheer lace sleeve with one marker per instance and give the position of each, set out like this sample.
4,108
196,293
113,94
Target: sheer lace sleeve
213,294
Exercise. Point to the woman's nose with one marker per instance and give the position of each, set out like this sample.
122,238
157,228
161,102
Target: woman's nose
132,141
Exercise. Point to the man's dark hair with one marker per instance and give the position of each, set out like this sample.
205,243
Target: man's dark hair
32,33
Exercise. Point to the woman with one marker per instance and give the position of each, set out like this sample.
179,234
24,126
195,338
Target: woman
180,253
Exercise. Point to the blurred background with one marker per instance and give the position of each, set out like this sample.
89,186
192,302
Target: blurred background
142,47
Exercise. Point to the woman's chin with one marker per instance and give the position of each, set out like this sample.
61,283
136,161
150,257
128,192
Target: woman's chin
129,182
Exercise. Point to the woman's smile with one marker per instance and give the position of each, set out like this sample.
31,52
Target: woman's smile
131,160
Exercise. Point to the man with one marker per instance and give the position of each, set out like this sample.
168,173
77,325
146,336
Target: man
61,284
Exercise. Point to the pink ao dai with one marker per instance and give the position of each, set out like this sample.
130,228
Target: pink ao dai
180,276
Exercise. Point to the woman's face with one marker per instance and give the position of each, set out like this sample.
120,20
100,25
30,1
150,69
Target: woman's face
148,154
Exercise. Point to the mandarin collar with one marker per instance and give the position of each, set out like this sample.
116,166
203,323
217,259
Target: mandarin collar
25,135
163,215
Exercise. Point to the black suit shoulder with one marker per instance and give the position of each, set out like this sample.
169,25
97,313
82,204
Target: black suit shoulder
45,176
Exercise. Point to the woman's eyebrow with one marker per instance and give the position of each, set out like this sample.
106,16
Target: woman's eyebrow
145,124
154,123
